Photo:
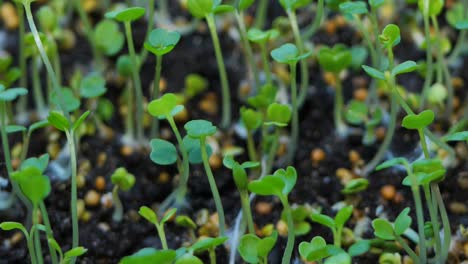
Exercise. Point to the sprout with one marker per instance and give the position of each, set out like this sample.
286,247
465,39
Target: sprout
187,222
194,85
358,113
122,180
256,250
150,255
108,38
151,216
252,120
93,86
337,224
262,38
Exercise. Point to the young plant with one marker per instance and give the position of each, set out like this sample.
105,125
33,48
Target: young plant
207,9
337,224
151,255
160,42
201,129
458,19
61,123
335,60
355,186
127,16
108,38
8,226
300,214
151,216
262,38
291,55
207,244
359,113
187,222
256,250
66,257
122,180
290,6
280,184
252,121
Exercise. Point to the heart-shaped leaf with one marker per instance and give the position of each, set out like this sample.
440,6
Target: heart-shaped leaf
108,37
402,222
162,41
201,8
151,255
288,54
127,14
163,152
66,100
390,36
35,186
93,86
268,185
122,178
314,250
200,128
419,121
251,119
260,36
430,7
334,59
278,115
383,229
357,112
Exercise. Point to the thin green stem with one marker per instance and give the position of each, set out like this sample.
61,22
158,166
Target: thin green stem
419,216
260,16
422,139
459,46
319,14
214,188
408,250
37,90
300,46
185,160
291,236
251,147
247,212
212,253
45,219
23,82
117,216
74,192
272,152
137,83
32,252
226,119
249,58
445,222
155,94
37,241
162,236
144,52
338,107
434,221
265,62
429,62
129,122
295,115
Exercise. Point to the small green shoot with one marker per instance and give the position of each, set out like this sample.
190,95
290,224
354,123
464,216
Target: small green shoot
151,216
337,224
108,37
122,180
256,250
150,255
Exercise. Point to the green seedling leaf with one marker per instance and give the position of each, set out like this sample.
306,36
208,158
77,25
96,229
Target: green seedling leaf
208,243
437,93
359,56
314,250
251,119
376,3
8,226
108,37
185,221
264,98
359,248
374,73
148,214
244,4
279,184
294,4
202,8
221,9
188,259
59,121
343,215
383,229
390,36
193,148
54,244
430,7
164,107
229,162
80,120
163,152
354,8
288,54
105,109
419,121
459,136
127,14
194,85
357,112
68,100
75,252
149,256
122,178
10,129
427,165
253,248
340,258
324,220
334,59
259,36
402,222
200,128
278,115
8,95
168,215
240,176
462,25
162,41
124,65
391,163
355,186
455,14
38,125
35,186
47,18
93,86
39,163
405,67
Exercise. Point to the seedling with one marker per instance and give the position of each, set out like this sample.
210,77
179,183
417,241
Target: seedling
61,123
252,121
151,255
291,55
336,225
355,186
280,184
187,222
208,244
358,113
241,180
160,42
457,18
317,250
208,9
122,180
300,215
108,38
127,16
335,60
194,85
256,250
151,216
67,257
8,226
290,6
262,38
201,129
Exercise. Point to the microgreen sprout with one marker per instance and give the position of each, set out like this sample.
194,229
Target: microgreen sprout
208,9
151,216
194,85
280,184
200,130
262,38
291,55
208,244
108,38
160,42
122,180
355,186
300,214
336,225
359,113
256,250
127,16
187,222
8,226
335,60
150,255
252,120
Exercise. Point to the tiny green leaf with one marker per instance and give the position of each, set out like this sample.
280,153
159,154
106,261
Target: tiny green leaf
419,121
162,41
38,125
165,106
188,259
93,86
8,95
459,136
405,67
314,250
123,179
148,214
391,163
251,119
163,152
66,99
340,258
335,59
59,121
208,243
39,163
430,7
324,220
14,129
151,255
185,221
200,128
240,176
383,229
80,120
8,226
75,252
355,186
402,222
357,112
127,14
278,115
390,36
353,8
168,215
374,73
108,38
202,8
376,3
359,248
294,4
288,54
35,186
259,36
